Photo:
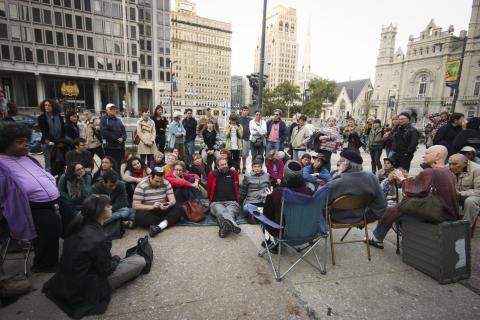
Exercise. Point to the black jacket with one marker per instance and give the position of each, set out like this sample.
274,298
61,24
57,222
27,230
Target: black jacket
405,139
468,137
80,287
190,126
210,139
446,135
43,125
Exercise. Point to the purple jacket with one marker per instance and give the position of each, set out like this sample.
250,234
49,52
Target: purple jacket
16,207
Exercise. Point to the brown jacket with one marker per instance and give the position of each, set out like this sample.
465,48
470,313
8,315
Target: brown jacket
468,182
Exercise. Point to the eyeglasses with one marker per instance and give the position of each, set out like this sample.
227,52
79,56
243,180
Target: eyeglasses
79,169
276,114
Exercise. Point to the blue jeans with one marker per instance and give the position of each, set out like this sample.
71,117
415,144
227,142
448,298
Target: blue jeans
123,214
190,151
46,156
274,146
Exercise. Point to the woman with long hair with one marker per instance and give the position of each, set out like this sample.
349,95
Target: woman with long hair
108,163
135,172
72,131
146,131
52,128
88,273
161,124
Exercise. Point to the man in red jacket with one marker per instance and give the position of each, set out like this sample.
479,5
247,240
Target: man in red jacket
224,198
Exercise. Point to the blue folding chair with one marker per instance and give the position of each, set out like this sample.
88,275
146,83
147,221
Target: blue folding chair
302,227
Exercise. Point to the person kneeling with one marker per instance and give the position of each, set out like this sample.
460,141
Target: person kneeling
224,199
155,204
88,272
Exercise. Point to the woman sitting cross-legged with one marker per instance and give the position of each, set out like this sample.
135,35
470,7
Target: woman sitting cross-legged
88,272
185,185
274,167
200,169
108,163
254,185
74,187
135,172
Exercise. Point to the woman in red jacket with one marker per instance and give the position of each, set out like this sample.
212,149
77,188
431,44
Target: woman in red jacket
274,167
185,185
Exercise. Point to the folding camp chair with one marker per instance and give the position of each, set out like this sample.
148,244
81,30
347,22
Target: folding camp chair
302,227
348,202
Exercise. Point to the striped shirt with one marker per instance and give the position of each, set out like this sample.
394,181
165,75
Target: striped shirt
148,195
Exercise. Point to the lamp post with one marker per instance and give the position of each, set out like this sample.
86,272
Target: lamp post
457,89
171,89
262,57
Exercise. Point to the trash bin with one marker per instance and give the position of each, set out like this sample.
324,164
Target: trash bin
441,251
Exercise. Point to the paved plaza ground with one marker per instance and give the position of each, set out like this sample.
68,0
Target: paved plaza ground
197,275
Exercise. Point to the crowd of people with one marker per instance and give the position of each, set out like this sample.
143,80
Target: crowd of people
71,197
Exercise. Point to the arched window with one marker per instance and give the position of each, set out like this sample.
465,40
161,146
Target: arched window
476,88
280,26
422,85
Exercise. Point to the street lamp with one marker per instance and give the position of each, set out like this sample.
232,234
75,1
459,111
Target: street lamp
171,89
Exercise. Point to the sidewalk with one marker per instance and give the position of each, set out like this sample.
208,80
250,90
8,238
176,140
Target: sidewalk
197,275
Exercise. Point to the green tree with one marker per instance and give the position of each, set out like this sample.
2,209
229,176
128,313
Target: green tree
283,97
321,90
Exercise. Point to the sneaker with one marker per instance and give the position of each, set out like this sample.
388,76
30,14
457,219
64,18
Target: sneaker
224,230
154,230
375,243
234,228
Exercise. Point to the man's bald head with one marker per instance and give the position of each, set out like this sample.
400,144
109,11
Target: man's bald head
457,163
436,155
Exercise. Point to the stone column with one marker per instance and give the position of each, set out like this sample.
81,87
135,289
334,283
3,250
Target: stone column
40,87
134,98
97,97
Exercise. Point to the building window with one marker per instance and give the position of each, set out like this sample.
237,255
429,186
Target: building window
116,29
81,61
40,56
109,64
36,15
48,37
68,20
78,22
107,27
476,88
61,59
28,54
50,57
100,63
25,13
17,53
2,9
58,19
78,4
97,6
26,34
89,43
422,85
134,67
118,64
3,31
91,62
88,24
67,3
15,33
70,40
99,45
5,52
133,15
13,11
117,47
71,60
38,36
57,2
108,46
133,32
47,17
80,44
60,41
87,5
98,26
133,50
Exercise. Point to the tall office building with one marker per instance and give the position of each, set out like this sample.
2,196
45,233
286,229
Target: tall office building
82,54
241,92
201,54
281,47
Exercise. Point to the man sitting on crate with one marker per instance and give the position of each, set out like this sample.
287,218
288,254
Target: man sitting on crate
419,187
468,185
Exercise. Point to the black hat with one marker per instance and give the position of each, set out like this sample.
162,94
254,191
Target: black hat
388,159
405,114
352,155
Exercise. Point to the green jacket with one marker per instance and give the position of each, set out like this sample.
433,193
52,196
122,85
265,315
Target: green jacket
118,197
86,187
226,132
375,139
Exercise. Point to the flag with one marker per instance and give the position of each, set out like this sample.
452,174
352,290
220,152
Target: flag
451,75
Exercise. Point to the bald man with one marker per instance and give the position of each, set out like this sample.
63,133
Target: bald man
419,186
468,185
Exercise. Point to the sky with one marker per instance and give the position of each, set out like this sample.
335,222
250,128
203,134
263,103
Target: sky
345,34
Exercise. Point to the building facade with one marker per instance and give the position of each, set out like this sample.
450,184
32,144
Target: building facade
241,93
281,47
415,81
201,54
81,53
353,101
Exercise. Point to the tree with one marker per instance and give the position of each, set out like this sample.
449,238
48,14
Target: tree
321,90
282,97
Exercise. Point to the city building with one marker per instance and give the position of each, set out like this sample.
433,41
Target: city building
82,54
416,81
241,93
201,55
281,47
353,101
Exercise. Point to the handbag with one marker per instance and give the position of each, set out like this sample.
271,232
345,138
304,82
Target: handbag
194,210
144,249
136,138
258,142
428,208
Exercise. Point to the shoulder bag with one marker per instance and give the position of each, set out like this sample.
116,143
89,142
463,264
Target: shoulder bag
194,210
144,249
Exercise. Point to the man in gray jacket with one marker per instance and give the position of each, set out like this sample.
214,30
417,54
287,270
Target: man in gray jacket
254,185
352,180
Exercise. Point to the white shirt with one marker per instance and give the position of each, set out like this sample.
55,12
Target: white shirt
257,130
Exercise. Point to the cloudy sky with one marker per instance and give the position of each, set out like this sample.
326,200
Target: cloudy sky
345,33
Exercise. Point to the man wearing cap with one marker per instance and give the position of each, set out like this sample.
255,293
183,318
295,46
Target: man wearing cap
316,174
202,122
468,185
155,204
405,141
447,134
471,154
352,180
113,133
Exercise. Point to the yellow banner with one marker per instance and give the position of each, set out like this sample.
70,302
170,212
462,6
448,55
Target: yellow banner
453,66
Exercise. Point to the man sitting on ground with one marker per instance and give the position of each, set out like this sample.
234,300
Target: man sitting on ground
352,180
224,197
468,185
117,192
420,186
155,203
317,173
80,155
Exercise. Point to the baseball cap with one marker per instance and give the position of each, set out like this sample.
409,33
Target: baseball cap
468,149
110,105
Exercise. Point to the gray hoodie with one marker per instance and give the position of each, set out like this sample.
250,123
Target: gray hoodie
253,187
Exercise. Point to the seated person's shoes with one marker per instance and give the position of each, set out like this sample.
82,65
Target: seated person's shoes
235,229
154,230
375,243
224,230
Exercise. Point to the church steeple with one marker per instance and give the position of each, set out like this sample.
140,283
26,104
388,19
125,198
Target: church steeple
474,26
306,68
387,44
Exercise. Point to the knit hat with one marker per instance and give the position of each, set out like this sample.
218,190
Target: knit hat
352,156
292,169
405,114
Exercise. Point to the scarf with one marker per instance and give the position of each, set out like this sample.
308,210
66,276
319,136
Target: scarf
74,187
54,126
